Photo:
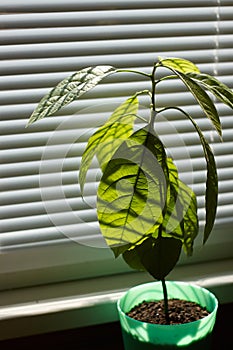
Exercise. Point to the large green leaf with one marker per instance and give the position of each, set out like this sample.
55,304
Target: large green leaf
157,256
178,64
217,88
108,137
69,90
211,197
132,191
159,253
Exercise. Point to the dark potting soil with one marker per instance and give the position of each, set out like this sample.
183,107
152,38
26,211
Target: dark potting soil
180,311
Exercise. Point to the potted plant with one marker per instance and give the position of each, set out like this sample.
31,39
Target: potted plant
146,213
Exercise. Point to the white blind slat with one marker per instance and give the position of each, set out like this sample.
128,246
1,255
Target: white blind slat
118,16
44,5
73,48
151,30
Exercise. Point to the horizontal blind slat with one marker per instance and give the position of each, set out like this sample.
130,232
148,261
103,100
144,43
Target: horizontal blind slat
176,140
71,5
42,80
40,65
110,46
51,19
67,34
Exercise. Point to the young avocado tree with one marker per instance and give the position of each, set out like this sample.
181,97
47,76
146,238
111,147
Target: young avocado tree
145,212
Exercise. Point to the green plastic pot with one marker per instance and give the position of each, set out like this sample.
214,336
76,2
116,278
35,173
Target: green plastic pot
146,336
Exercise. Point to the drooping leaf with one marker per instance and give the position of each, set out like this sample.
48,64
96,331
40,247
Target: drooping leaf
199,94
132,191
179,65
217,88
204,101
69,90
211,196
157,256
108,137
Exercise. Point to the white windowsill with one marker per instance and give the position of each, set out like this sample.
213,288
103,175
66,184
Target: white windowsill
55,307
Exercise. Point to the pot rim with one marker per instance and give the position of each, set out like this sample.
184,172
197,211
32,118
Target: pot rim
196,286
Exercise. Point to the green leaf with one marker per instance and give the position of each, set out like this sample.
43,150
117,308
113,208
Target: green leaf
217,88
69,90
108,137
189,224
131,256
204,101
178,64
180,220
183,69
159,253
173,214
157,256
132,191
211,197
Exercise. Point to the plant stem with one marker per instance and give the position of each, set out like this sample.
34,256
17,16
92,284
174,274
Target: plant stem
153,115
133,71
153,110
165,301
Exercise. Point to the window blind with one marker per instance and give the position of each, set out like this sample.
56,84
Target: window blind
42,213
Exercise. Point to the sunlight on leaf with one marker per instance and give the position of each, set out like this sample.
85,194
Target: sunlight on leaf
211,197
69,90
108,137
204,101
189,224
178,64
132,191
180,220
218,89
